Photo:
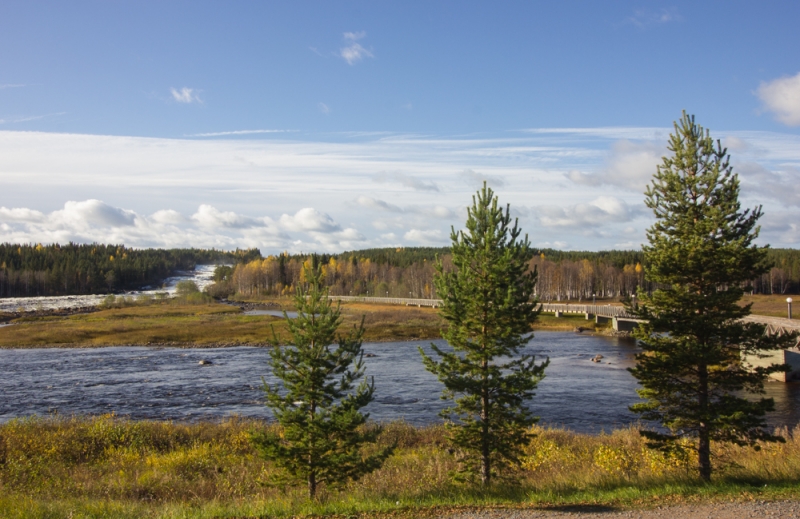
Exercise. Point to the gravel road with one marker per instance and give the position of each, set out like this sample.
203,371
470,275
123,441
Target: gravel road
734,510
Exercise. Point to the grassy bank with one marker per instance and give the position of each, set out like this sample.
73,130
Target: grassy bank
213,325
106,466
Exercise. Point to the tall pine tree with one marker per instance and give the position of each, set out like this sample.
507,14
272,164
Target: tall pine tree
701,254
319,405
489,306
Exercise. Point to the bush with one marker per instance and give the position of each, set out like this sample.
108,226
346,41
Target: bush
185,288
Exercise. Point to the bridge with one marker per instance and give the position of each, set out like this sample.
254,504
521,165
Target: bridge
620,318
623,321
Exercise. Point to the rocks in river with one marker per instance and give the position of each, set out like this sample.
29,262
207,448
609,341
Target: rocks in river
370,355
597,358
579,329
205,362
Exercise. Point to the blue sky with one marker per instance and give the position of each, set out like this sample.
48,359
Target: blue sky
343,125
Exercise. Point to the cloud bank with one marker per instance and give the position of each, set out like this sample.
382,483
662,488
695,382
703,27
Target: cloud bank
579,188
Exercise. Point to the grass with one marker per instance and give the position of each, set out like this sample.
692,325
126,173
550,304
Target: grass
166,323
155,324
772,305
111,467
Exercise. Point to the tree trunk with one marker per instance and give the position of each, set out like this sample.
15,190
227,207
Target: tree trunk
312,485
704,443
486,470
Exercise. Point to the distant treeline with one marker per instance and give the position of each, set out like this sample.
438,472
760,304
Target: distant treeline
37,270
47,270
408,272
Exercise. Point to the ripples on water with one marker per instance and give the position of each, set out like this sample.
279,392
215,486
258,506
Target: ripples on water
169,383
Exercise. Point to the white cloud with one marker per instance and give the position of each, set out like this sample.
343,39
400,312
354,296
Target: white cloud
735,144
168,217
435,211
309,219
643,18
11,85
630,165
323,108
374,203
185,95
405,180
782,97
238,132
93,212
424,236
212,218
558,245
26,118
600,211
475,179
782,185
21,214
353,52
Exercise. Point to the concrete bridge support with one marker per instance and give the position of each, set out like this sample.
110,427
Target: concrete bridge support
792,358
601,319
624,325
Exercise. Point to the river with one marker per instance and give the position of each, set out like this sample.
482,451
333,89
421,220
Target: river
170,384
202,275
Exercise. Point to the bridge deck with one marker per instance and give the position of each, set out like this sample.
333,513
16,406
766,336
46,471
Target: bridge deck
774,324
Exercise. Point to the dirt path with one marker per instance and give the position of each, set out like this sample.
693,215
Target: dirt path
732,510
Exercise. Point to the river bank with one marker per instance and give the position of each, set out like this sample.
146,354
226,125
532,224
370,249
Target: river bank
111,467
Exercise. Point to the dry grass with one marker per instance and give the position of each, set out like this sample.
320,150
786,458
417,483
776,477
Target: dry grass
106,464
212,325
772,305
163,324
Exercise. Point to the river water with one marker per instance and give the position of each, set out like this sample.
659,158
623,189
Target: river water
169,383
202,275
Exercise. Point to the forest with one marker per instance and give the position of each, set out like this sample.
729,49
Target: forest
408,272
47,270
52,270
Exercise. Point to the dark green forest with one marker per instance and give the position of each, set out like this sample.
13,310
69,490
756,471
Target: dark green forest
48,270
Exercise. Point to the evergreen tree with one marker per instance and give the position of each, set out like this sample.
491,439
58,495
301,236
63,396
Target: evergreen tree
489,307
319,404
701,253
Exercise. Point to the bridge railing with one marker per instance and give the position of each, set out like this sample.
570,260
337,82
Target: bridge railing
390,300
602,310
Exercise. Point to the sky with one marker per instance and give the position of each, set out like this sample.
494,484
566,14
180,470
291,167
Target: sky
322,126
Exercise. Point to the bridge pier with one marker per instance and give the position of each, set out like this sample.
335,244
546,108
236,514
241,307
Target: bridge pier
601,319
624,325
557,313
792,358
589,316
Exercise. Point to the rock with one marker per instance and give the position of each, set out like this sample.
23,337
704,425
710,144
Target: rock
205,362
370,355
597,358
579,329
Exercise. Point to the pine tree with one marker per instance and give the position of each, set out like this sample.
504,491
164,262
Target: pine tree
319,405
489,307
701,254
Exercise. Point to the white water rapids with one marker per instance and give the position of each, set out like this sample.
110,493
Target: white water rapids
202,276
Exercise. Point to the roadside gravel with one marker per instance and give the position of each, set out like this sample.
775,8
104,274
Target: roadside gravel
722,510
